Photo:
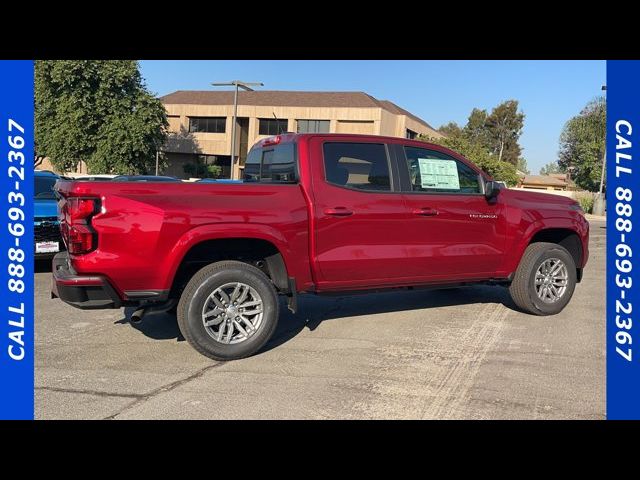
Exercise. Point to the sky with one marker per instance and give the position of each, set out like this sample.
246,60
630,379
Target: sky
549,92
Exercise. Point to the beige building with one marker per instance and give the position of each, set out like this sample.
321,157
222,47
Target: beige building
555,182
200,123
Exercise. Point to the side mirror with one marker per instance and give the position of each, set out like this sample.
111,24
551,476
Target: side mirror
491,189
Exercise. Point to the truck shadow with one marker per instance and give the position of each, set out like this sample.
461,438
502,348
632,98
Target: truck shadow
42,265
315,309
159,326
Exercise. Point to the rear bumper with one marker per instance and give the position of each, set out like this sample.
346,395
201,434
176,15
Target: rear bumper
81,291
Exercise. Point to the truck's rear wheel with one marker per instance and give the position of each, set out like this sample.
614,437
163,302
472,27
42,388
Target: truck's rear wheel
545,279
228,310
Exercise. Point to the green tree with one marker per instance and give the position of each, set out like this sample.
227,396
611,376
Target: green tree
478,154
582,144
504,127
522,165
202,170
549,168
97,111
476,129
490,140
451,129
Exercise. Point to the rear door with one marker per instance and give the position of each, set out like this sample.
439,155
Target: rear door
359,215
453,232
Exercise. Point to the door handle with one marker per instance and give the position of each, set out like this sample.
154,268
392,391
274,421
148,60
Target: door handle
425,212
338,212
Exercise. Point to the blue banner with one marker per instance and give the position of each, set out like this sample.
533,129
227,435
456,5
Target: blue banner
623,248
16,239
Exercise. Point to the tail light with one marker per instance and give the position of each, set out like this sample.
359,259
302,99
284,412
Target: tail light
75,224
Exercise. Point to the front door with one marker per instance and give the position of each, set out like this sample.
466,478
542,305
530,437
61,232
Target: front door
453,231
359,215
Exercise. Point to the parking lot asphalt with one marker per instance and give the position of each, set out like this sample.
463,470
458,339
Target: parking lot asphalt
425,354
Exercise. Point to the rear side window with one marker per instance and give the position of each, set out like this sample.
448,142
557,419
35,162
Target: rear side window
275,164
436,172
363,166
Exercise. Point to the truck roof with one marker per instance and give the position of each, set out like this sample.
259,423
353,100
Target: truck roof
292,137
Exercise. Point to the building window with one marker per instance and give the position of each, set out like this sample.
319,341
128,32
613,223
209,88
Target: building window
208,124
411,135
313,126
271,165
363,166
272,126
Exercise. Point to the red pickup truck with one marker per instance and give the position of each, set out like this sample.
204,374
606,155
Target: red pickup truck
315,213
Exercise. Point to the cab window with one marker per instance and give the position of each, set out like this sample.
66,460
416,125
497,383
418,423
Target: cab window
431,171
361,166
271,164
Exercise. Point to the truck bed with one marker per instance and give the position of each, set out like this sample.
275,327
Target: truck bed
145,229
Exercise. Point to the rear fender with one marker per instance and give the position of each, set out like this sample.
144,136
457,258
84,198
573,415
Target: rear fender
218,231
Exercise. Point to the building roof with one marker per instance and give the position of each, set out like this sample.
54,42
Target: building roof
561,176
393,108
565,177
284,98
543,180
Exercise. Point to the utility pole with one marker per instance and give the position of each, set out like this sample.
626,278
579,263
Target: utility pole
599,204
157,161
604,162
247,87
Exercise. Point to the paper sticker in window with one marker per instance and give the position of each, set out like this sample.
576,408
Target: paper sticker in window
438,174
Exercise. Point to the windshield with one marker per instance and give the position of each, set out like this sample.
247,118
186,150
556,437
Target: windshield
44,188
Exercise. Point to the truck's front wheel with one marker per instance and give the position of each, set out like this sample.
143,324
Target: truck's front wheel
545,279
228,310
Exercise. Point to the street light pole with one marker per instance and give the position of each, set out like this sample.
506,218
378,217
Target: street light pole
233,132
247,87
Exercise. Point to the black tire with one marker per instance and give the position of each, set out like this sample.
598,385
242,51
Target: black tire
522,289
206,281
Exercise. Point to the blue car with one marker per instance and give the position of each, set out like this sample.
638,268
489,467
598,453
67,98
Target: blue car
46,228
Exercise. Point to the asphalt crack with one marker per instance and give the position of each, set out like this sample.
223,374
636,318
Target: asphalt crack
96,393
138,399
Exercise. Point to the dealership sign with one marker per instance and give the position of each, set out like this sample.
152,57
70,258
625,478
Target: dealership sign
16,239
623,179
